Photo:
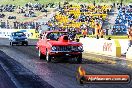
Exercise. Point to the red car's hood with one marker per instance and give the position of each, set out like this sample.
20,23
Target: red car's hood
60,43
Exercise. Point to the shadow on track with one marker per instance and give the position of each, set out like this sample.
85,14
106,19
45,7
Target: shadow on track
71,61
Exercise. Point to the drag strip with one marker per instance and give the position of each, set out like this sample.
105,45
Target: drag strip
5,81
24,76
58,74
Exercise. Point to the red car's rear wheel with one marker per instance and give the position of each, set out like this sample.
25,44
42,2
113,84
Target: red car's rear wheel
41,56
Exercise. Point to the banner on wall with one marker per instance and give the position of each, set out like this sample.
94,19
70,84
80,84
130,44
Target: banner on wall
30,33
102,46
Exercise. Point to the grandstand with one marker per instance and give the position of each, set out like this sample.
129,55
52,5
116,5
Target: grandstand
81,16
69,16
85,16
23,17
123,20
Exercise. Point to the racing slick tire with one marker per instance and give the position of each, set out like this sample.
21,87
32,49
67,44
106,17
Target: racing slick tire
79,58
26,43
41,56
48,57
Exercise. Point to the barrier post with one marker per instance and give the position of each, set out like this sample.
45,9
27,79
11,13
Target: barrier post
118,48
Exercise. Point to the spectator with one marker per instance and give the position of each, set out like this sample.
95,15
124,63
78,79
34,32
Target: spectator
101,33
84,33
97,30
107,31
94,3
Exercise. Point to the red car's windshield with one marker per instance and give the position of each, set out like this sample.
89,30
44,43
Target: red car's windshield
55,35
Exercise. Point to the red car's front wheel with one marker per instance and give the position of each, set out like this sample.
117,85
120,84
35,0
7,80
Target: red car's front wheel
79,58
48,57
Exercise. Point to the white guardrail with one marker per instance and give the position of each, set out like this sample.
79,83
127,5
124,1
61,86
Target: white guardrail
101,46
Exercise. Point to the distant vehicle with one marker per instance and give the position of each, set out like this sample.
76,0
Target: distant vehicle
57,44
18,38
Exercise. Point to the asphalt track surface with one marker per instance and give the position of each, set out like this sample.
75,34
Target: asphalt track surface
27,71
5,81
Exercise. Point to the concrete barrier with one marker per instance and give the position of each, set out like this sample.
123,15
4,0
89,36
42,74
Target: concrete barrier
129,54
101,46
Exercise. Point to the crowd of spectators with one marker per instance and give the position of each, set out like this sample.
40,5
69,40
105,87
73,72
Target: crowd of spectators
82,19
123,20
30,8
11,13
79,18
20,25
7,8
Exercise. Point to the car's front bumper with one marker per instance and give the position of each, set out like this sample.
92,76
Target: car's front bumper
19,42
65,54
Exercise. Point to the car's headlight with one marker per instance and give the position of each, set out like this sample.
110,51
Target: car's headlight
80,48
53,48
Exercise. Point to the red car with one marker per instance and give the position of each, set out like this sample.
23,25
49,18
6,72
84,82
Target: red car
56,44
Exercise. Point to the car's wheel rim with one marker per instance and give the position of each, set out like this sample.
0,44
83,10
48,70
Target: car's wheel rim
39,53
47,56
